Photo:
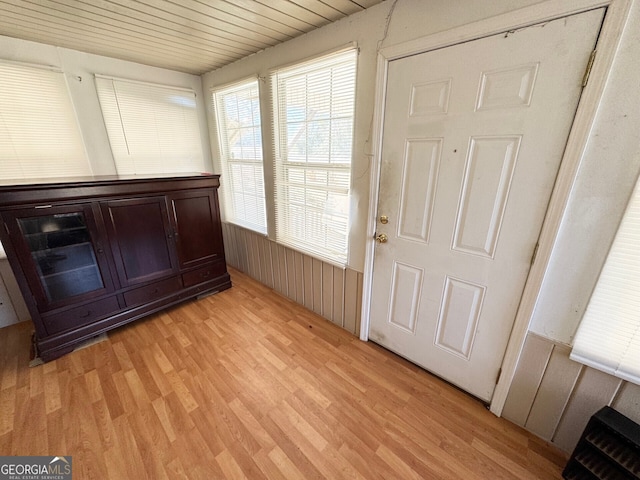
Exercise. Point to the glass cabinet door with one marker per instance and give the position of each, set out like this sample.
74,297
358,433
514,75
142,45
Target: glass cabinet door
63,259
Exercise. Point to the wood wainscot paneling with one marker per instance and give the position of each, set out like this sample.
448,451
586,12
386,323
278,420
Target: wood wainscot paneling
330,291
554,397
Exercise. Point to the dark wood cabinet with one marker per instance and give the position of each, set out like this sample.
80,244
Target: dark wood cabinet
95,253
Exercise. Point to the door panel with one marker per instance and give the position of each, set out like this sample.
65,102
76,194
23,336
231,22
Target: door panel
487,179
59,255
473,138
417,192
197,224
141,237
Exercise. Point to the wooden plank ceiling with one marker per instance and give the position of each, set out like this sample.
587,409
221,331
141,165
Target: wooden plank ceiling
193,36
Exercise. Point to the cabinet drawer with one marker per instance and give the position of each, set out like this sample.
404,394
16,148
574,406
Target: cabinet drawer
79,316
203,274
152,292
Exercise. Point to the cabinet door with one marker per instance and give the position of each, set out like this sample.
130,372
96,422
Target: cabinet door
141,238
60,252
198,229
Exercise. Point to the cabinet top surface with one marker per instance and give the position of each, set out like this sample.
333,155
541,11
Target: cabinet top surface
53,182
51,190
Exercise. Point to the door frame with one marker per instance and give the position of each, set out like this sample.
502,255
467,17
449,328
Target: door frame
612,28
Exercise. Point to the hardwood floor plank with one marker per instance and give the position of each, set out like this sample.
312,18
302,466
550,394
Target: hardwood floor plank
247,384
361,459
147,443
129,450
252,425
57,442
397,464
10,374
198,457
210,432
8,409
160,407
104,424
268,466
51,393
229,466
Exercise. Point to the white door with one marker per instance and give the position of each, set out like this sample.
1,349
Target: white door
473,138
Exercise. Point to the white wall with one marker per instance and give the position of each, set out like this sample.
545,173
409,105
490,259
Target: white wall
79,69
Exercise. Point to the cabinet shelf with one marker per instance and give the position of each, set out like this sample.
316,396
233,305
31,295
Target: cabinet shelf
622,453
62,247
51,232
70,271
609,449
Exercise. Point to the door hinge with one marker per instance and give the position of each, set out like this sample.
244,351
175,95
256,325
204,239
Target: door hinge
498,376
587,72
535,253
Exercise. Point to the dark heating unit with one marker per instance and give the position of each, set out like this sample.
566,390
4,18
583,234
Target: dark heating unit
609,449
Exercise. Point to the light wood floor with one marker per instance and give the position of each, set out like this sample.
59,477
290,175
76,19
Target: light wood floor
246,384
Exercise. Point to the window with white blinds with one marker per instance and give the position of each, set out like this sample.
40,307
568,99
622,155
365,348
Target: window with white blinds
608,337
313,121
39,133
152,128
238,121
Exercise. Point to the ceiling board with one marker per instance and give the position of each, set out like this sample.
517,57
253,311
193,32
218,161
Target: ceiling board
193,36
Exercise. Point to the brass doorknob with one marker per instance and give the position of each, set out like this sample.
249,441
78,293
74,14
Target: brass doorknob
382,238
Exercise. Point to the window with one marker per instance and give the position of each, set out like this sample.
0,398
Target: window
609,334
313,121
152,128
238,120
39,133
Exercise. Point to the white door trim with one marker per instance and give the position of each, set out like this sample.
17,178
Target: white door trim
612,29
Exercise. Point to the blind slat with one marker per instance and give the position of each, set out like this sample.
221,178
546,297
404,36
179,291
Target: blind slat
238,121
152,128
608,337
39,133
313,140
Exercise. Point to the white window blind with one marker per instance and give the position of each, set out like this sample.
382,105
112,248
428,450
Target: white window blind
152,128
608,337
313,121
238,121
39,133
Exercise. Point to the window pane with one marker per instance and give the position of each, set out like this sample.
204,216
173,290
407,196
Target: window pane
39,134
238,122
314,142
608,337
152,128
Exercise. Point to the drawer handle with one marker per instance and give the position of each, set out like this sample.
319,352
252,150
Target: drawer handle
204,275
86,314
156,290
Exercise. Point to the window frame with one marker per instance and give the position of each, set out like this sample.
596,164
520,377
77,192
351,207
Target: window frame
231,215
280,163
608,336
66,158
121,140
